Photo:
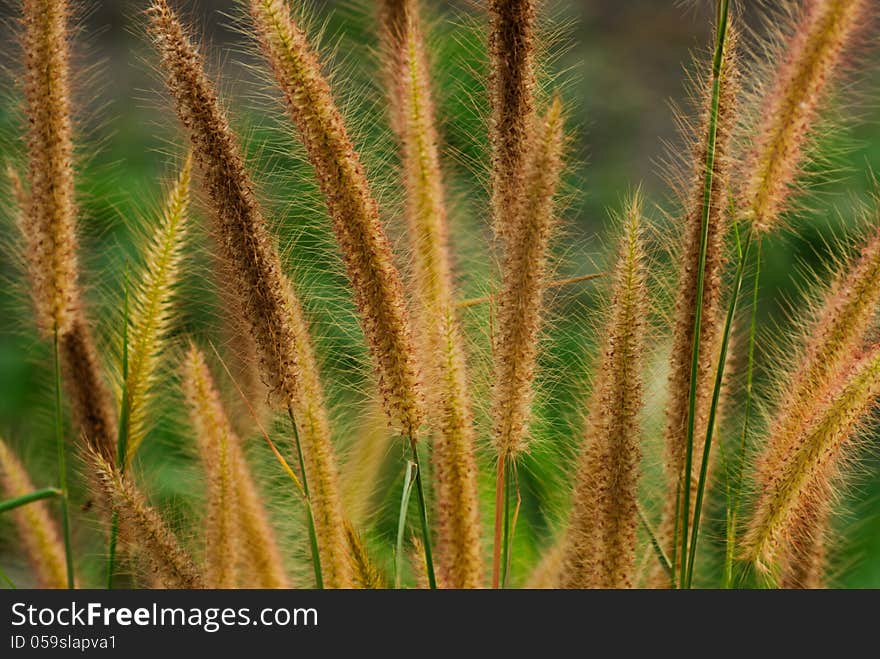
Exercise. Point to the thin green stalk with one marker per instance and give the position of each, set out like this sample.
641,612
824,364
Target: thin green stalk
121,438
713,409
62,464
408,483
423,515
506,539
313,536
24,499
733,504
717,63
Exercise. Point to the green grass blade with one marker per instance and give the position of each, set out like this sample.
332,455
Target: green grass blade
25,499
313,535
423,515
717,66
665,563
408,483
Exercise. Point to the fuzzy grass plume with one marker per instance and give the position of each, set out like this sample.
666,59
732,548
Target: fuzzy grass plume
168,564
439,336
214,439
275,313
804,477
365,248
151,304
811,59
523,282
601,535
512,88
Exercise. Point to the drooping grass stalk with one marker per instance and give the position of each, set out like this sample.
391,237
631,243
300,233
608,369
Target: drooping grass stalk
803,558
665,563
61,448
142,525
151,299
365,247
273,310
39,535
24,499
512,89
705,218
408,483
811,59
600,538
806,475
520,302
439,338
735,491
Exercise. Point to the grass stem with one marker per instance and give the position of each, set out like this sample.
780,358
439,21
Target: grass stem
62,463
717,66
313,536
37,495
423,514
408,483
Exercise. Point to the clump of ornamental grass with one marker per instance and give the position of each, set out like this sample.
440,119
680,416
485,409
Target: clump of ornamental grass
743,158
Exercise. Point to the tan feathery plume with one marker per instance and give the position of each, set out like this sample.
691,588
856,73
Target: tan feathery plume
365,247
523,282
262,564
810,60
690,229
812,466
51,236
274,312
363,464
512,87
214,438
150,306
841,325
601,536
40,539
440,340
366,575
803,558
48,224
144,528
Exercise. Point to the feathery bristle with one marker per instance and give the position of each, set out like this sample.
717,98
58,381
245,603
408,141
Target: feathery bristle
365,247
151,299
214,438
523,282
812,464
601,536
547,573
144,528
440,340
40,539
810,60
690,228
512,88
366,575
50,223
273,310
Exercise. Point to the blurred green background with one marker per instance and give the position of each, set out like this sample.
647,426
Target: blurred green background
619,63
